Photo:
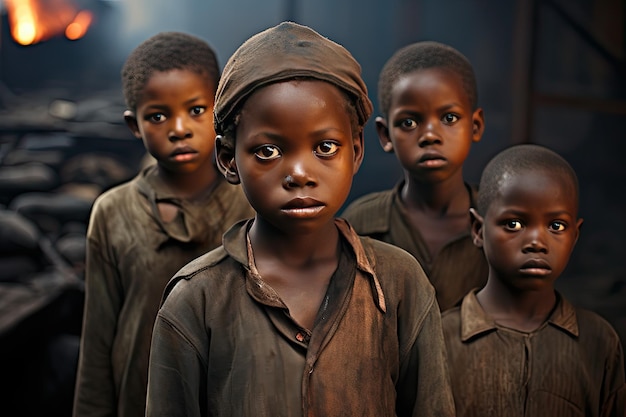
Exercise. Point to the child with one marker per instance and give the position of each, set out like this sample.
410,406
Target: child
296,315
142,232
517,347
427,94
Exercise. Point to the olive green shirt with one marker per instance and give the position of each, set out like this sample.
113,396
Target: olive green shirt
572,365
224,343
131,255
457,268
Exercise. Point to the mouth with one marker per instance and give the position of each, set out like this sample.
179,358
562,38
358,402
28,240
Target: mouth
303,207
537,267
432,160
183,153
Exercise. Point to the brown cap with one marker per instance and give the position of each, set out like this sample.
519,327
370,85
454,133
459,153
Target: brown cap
282,52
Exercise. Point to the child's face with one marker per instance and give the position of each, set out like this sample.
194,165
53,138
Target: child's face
430,124
174,118
530,229
296,154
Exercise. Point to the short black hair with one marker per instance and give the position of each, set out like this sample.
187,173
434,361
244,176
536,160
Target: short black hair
517,160
164,52
423,55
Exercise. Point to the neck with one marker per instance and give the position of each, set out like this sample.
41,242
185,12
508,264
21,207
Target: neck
523,310
293,247
444,197
193,185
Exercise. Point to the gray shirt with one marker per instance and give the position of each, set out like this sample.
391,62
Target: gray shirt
457,268
131,255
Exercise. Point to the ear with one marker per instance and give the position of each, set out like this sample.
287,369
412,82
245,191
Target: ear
579,225
225,158
478,124
359,151
477,227
383,134
131,122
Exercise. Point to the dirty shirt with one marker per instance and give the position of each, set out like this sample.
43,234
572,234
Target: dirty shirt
572,365
131,256
224,342
457,268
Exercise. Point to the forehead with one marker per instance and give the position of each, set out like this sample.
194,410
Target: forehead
536,188
428,81
290,98
160,80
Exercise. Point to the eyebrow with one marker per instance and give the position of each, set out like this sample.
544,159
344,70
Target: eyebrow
161,106
275,136
518,212
402,110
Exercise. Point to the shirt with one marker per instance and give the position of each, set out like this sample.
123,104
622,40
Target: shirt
457,268
224,342
131,255
572,365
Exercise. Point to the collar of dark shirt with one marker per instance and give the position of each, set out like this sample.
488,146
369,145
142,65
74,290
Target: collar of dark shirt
237,246
475,322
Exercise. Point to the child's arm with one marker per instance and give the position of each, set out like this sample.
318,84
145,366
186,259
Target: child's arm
430,385
177,370
95,389
176,375
615,384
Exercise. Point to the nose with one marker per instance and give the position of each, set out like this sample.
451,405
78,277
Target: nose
429,134
179,129
298,176
536,242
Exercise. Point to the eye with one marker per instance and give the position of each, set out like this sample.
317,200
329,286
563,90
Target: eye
156,117
327,148
267,152
197,110
450,118
407,124
557,226
513,225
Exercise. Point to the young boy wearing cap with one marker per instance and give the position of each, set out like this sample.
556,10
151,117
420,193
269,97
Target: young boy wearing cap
295,314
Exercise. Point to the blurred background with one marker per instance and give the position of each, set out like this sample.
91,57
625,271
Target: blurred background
551,72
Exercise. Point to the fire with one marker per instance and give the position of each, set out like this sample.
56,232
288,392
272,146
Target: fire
34,21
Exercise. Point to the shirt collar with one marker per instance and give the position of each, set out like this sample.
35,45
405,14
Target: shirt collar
236,245
476,322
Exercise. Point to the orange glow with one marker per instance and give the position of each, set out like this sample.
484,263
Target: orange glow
33,21
79,26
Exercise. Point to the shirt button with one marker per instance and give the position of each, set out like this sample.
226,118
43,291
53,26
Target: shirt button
300,337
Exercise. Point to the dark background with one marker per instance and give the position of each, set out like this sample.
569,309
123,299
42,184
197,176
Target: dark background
551,72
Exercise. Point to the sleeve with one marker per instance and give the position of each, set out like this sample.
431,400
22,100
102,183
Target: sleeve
615,384
176,375
95,393
424,385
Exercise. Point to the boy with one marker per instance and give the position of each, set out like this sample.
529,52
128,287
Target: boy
427,95
142,232
295,315
517,347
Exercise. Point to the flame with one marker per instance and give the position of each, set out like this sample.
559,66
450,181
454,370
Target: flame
35,21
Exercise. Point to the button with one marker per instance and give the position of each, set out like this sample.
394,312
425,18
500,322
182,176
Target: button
300,337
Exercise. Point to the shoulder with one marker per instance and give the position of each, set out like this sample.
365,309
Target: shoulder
398,270
116,194
234,201
368,214
197,273
451,324
594,327
369,202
